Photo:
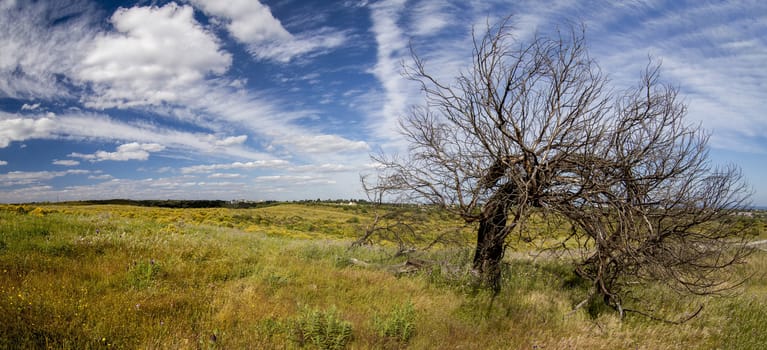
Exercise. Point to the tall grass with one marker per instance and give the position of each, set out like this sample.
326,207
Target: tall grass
127,277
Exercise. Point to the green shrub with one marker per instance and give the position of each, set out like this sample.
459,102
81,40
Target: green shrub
321,329
398,325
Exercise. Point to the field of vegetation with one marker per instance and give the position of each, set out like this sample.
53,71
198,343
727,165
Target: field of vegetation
285,276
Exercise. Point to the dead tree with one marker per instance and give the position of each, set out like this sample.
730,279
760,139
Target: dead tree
651,207
531,126
489,146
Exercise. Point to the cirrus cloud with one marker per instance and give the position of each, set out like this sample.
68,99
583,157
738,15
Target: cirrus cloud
41,43
259,164
253,24
16,178
66,162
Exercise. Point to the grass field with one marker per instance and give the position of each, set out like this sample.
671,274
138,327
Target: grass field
84,277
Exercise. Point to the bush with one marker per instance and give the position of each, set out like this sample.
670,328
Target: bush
321,329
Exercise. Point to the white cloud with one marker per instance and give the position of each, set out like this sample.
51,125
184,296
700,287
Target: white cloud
270,120
259,164
359,3
253,24
324,168
125,152
2,162
225,176
104,128
709,52
158,55
144,62
392,49
66,162
16,178
151,188
248,20
28,107
444,56
323,144
231,140
40,43
17,128
296,180
101,177
284,187
430,17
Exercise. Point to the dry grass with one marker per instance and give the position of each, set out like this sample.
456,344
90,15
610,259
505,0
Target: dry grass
126,277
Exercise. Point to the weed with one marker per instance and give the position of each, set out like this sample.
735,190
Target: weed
321,329
270,328
143,273
397,326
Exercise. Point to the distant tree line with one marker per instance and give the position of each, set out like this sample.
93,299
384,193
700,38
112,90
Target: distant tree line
181,203
206,203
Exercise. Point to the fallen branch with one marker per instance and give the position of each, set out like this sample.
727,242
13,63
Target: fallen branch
655,318
410,265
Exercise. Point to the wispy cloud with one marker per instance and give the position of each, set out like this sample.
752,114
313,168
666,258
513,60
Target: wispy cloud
170,187
391,50
252,23
145,64
30,107
230,141
723,90
90,126
16,178
41,43
430,17
101,177
323,144
282,120
260,164
709,50
445,56
296,180
225,176
66,162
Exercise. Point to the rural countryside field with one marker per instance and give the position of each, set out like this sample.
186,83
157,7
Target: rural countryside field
82,276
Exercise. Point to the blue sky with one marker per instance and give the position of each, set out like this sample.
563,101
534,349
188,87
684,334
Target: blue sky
241,99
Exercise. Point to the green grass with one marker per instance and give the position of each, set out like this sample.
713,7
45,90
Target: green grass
84,277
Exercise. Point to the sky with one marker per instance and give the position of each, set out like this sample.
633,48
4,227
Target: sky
287,99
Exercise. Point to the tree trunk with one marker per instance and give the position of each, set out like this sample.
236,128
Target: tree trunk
491,245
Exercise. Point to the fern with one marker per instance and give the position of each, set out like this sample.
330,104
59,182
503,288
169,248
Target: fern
322,329
398,325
